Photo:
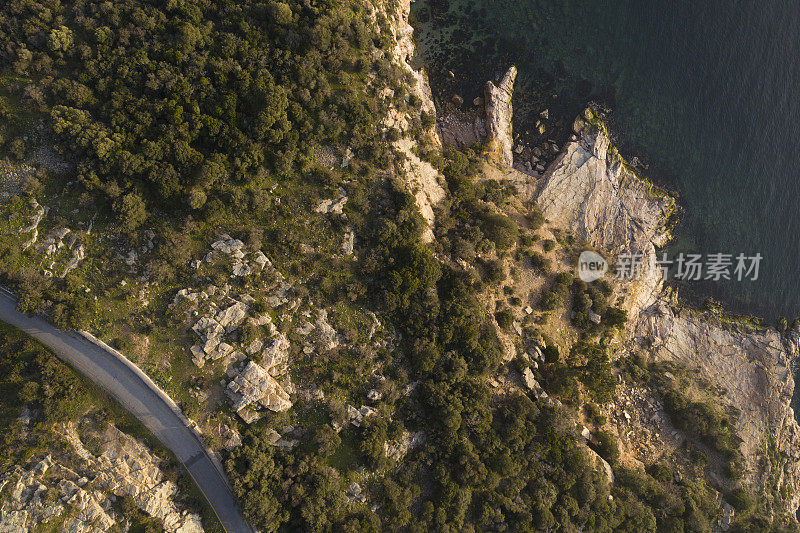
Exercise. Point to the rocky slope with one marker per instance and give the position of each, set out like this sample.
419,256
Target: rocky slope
590,191
78,490
753,366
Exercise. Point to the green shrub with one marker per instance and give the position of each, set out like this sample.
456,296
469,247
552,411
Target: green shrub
741,499
563,278
551,300
505,318
536,219
607,446
660,472
492,272
551,353
604,287
499,229
615,317
539,262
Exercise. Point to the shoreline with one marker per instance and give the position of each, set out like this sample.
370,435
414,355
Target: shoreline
701,295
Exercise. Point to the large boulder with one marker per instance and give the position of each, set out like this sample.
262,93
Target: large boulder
232,316
276,353
326,336
228,245
254,385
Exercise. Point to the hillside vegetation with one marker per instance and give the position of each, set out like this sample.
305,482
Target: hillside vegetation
190,118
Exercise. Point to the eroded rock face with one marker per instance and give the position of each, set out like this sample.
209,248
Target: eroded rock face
50,491
753,366
357,416
326,338
590,191
422,179
500,142
125,467
232,316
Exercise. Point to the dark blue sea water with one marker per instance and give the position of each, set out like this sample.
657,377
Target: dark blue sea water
707,94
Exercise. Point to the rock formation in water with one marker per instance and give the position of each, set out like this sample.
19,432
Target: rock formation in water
499,140
488,124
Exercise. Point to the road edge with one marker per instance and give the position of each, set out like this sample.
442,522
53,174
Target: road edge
191,425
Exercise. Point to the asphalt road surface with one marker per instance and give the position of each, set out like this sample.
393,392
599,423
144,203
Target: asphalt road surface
139,396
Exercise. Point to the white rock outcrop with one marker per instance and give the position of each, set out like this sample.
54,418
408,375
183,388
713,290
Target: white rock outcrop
333,205
275,353
254,385
326,336
232,316
357,416
77,256
754,368
227,245
38,213
82,500
590,191
349,241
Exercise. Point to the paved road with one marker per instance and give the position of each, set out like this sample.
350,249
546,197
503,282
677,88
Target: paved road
142,398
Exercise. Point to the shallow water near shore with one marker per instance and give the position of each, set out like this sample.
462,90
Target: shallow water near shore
706,94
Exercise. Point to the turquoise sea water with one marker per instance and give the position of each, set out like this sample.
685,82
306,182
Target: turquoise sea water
707,94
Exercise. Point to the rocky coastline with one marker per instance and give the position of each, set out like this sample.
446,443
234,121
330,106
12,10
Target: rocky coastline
587,189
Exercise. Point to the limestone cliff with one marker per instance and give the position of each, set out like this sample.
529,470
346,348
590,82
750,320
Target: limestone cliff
753,367
590,191
422,178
